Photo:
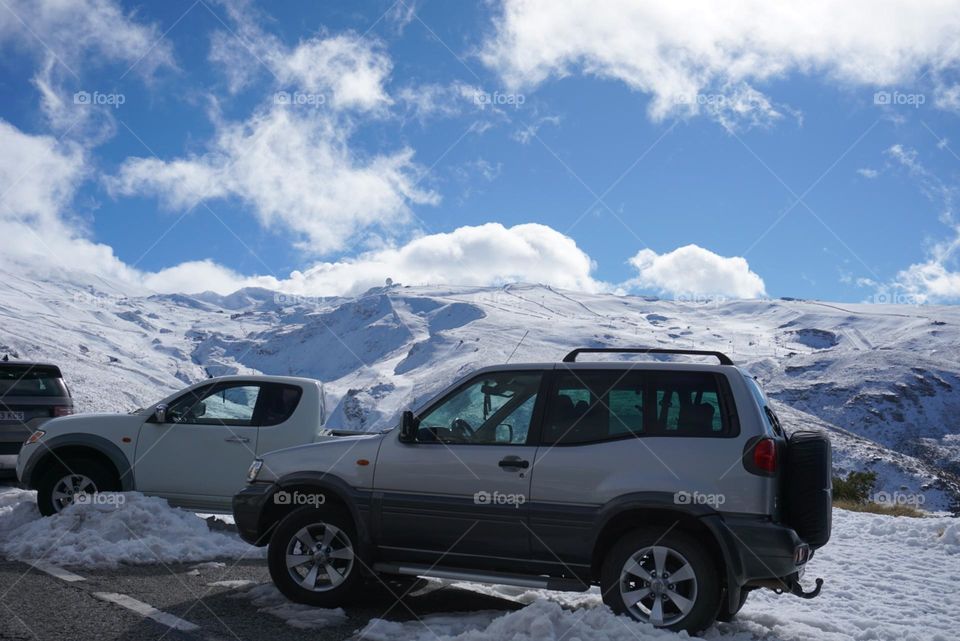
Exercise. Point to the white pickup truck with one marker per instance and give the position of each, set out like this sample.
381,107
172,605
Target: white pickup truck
192,448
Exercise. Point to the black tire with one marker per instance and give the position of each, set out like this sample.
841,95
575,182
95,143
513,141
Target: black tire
104,479
725,615
703,591
317,520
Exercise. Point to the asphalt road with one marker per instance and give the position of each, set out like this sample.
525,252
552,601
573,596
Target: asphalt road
35,604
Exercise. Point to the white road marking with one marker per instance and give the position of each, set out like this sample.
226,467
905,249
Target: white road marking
57,571
147,610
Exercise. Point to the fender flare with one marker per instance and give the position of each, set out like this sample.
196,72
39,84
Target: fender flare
709,517
337,487
47,449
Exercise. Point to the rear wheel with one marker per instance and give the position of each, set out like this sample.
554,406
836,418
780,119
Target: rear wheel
663,578
313,557
62,485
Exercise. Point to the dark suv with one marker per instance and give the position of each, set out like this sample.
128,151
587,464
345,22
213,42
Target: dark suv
671,486
30,394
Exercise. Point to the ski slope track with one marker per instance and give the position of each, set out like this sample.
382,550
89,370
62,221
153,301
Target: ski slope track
884,380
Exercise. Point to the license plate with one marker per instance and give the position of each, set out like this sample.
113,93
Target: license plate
11,416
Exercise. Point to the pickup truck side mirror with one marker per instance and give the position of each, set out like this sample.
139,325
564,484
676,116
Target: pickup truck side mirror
160,413
409,424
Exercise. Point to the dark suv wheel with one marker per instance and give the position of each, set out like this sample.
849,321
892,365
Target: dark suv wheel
662,577
60,484
314,559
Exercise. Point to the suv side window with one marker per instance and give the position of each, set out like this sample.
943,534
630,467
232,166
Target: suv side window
686,404
492,409
592,406
595,406
223,404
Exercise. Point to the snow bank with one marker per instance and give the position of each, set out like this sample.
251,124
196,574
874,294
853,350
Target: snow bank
133,528
542,620
268,599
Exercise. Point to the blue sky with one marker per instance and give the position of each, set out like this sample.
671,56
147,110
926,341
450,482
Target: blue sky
415,125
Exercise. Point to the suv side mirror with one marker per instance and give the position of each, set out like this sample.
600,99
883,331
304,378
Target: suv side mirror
160,413
409,424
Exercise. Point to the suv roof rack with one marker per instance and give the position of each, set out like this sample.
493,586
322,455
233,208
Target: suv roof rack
572,356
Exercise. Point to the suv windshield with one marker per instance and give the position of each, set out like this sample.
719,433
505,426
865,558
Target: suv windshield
31,380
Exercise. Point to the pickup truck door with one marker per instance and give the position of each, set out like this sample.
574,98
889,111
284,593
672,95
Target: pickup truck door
201,453
458,495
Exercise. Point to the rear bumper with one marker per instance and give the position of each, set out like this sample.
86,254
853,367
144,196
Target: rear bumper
766,550
248,507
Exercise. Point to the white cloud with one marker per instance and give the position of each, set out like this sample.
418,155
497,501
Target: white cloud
935,279
348,70
867,172
695,271
69,37
296,169
489,254
38,179
682,54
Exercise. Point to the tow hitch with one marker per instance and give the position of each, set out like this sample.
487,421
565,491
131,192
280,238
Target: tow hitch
797,590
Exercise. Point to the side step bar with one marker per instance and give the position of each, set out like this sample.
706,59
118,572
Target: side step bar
479,576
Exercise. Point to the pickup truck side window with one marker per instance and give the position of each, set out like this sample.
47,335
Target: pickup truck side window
492,409
226,404
278,402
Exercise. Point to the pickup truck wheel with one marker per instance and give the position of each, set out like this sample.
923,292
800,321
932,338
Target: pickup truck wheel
662,578
313,557
60,486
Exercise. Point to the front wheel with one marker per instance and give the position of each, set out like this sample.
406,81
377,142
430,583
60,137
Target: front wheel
62,485
663,578
313,557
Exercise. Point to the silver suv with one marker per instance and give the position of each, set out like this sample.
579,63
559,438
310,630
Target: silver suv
671,486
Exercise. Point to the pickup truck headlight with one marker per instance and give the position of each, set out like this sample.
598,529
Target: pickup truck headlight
254,470
36,436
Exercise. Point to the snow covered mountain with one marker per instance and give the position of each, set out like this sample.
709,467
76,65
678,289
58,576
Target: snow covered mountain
883,379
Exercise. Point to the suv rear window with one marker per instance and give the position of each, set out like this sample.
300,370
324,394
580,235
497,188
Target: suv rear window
31,380
590,406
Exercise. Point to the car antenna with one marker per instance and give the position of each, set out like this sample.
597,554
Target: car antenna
518,345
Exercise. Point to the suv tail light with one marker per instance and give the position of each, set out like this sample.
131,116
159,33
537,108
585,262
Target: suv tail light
62,410
765,456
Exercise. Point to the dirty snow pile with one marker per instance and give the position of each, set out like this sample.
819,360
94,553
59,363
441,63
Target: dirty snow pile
267,598
130,528
886,579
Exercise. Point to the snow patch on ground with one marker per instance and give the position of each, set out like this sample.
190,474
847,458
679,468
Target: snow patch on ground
268,599
135,530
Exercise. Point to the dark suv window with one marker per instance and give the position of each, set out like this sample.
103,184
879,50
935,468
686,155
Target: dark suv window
31,380
590,406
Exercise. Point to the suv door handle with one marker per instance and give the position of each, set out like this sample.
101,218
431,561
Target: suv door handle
237,439
514,461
